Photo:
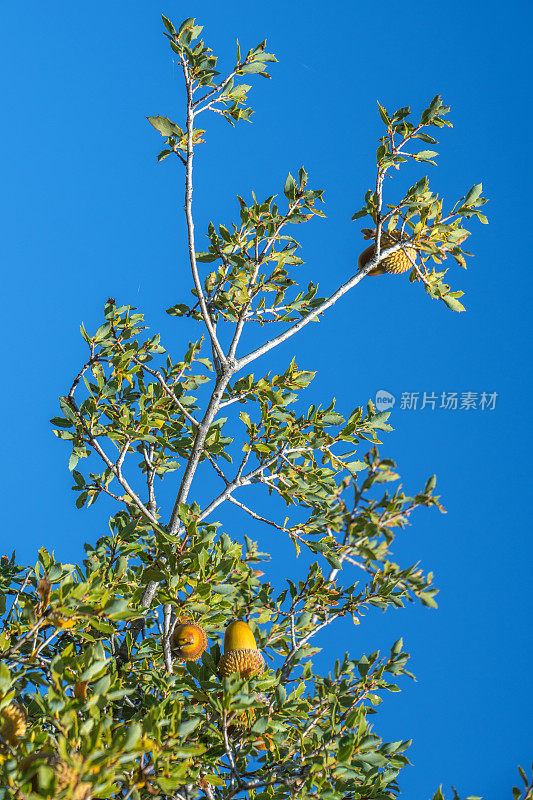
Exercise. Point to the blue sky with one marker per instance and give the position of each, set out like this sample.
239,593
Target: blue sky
89,214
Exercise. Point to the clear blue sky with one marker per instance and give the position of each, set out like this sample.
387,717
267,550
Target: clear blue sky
89,214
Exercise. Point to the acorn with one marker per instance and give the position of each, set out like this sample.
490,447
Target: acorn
397,262
80,690
240,652
66,776
188,642
12,723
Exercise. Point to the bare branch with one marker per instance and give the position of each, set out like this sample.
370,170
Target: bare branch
188,213
220,88
80,374
167,610
15,599
197,449
237,481
354,280
257,516
116,470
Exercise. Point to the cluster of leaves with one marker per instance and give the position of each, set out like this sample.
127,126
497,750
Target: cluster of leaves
254,259
131,409
527,792
226,98
129,405
123,724
419,214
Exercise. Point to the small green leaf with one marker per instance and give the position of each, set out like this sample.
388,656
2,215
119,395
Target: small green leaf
289,190
165,126
188,726
224,588
168,25
255,66
453,303
383,114
473,194
281,694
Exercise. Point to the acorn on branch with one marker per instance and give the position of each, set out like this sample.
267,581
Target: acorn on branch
399,261
12,724
241,654
188,641
80,690
66,777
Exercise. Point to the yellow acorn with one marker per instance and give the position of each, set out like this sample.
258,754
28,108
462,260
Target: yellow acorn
397,262
240,651
66,777
80,690
188,641
12,723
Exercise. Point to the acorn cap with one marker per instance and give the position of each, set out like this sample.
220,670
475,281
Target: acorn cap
398,262
80,690
12,723
66,776
188,642
244,662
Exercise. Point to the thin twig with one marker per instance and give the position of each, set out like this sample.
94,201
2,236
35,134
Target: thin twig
330,301
188,213
167,611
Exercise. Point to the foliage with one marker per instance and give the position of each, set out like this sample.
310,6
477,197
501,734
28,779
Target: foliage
86,648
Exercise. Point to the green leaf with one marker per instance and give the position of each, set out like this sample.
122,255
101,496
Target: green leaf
187,23
255,66
453,303
430,485
102,332
168,25
5,678
93,670
260,725
355,466
132,737
165,126
379,420
396,648
188,726
383,114
289,190
281,694
427,598
60,422
332,418
473,194
224,588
